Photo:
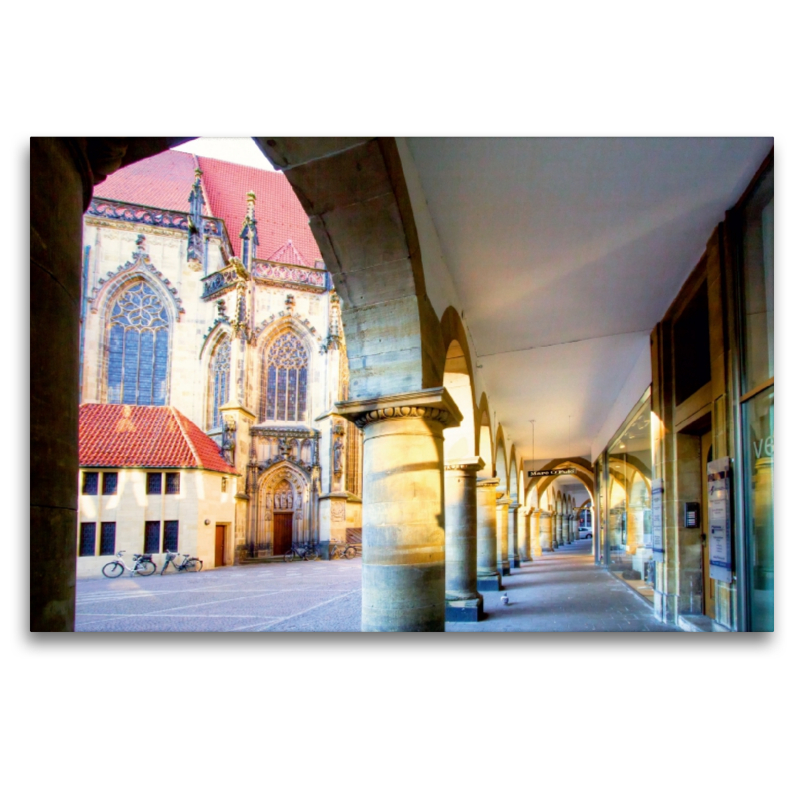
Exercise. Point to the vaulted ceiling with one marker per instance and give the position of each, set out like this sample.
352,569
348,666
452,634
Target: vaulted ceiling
564,253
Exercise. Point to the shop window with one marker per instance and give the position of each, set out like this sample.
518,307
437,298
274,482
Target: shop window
108,538
173,483
759,301
171,535
152,537
110,482
692,347
88,534
153,483
90,481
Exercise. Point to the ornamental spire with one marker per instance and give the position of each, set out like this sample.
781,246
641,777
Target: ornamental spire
195,249
249,234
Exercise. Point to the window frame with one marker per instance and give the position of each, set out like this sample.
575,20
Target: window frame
106,478
176,478
151,475
85,526
96,477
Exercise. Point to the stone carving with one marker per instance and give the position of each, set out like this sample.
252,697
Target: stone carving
338,510
403,412
229,440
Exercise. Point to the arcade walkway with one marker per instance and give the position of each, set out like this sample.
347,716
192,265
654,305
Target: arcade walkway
565,592
562,591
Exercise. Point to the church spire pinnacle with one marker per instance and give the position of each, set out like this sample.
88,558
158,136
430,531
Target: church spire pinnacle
249,234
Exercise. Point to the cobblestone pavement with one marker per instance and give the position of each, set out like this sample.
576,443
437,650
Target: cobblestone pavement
301,596
561,591
565,592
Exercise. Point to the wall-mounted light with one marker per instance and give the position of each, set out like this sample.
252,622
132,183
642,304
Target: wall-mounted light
207,521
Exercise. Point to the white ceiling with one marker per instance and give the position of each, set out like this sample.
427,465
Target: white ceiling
565,253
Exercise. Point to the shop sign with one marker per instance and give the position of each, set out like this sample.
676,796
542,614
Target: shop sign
720,550
657,503
546,473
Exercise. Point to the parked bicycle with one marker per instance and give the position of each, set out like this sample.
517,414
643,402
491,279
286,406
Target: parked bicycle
142,565
305,551
189,564
343,552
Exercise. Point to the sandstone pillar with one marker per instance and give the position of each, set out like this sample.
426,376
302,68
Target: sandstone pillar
503,564
463,602
514,536
488,575
525,536
536,541
559,531
403,571
61,187
574,527
546,531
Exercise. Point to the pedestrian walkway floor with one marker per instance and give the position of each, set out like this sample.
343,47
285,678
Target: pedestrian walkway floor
561,591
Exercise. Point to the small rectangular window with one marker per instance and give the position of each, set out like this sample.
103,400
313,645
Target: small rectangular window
88,531
152,537
171,535
173,483
109,483
153,483
108,538
90,483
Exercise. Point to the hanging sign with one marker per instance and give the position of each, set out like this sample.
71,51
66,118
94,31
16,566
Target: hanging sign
657,518
720,550
546,473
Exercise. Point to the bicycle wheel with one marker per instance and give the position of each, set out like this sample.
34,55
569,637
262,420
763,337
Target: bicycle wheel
194,565
350,552
145,568
113,569
289,556
314,555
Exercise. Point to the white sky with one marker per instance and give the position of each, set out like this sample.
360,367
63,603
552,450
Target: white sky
237,150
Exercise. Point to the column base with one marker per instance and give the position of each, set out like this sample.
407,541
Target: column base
515,562
464,610
505,569
490,583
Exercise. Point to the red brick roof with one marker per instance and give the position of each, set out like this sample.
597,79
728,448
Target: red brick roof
279,215
165,181
144,436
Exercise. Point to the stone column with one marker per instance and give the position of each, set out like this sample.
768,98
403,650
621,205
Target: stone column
61,188
546,531
536,541
463,602
488,575
503,563
514,536
524,515
568,528
403,567
574,527
559,531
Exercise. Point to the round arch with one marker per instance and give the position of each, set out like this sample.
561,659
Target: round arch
275,478
459,441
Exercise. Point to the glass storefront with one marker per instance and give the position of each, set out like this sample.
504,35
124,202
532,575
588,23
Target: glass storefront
758,408
624,475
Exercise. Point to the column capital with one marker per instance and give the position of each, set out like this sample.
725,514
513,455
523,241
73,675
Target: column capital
503,500
488,483
432,404
466,464
514,506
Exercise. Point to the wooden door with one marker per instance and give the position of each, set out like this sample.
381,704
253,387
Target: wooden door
281,532
219,547
708,584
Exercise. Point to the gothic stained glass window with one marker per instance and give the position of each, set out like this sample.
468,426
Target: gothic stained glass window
284,381
219,380
138,346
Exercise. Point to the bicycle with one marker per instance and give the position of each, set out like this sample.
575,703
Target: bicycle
142,565
188,564
306,552
344,552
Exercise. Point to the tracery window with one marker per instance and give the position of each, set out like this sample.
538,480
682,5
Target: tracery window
284,379
138,347
220,375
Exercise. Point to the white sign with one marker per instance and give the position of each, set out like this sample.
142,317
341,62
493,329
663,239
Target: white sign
658,518
720,550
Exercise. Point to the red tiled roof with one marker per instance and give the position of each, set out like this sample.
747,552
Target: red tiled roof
165,181
279,215
144,436
288,254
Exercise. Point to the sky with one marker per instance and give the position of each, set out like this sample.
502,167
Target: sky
239,150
